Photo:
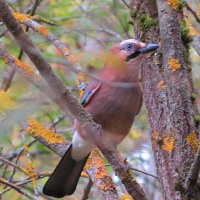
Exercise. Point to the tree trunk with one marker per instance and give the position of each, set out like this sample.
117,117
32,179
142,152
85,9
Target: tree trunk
168,94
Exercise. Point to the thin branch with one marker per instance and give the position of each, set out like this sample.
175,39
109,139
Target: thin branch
140,171
196,43
4,160
8,81
28,180
192,12
18,189
193,175
94,77
126,4
87,190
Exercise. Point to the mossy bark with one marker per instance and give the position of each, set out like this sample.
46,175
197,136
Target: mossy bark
170,109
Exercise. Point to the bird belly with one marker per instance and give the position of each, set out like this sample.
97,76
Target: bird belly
115,112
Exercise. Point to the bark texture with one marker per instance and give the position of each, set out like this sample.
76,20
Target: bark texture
167,95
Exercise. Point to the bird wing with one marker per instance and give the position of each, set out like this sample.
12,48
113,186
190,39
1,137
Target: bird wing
89,92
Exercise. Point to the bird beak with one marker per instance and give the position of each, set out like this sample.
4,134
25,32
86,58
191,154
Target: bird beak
148,48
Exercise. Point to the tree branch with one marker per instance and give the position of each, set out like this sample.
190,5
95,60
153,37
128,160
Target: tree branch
87,190
193,174
18,189
8,80
196,43
192,12
68,102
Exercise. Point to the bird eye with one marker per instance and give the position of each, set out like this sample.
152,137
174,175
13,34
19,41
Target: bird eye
128,47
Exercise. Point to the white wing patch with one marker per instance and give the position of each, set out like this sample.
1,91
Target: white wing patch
81,147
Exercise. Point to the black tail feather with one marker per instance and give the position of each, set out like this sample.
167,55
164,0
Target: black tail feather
64,178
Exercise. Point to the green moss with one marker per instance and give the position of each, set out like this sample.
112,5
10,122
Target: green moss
133,14
193,97
185,33
186,40
187,57
178,186
197,119
145,22
189,69
182,4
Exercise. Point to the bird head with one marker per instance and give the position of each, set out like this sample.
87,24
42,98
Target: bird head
131,49
129,52
125,59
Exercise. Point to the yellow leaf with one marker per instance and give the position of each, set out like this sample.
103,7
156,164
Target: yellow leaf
6,103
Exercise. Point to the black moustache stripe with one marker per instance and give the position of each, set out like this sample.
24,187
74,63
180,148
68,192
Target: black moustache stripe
133,55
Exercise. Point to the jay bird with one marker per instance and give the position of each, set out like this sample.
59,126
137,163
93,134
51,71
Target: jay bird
112,107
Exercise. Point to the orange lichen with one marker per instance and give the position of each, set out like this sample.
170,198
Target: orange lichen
82,83
43,30
37,129
72,59
192,30
168,144
175,4
22,66
6,103
155,61
94,158
100,174
192,141
30,171
26,148
66,52
162,85
174,64
18,64
22,17
84,174
126,197
5,59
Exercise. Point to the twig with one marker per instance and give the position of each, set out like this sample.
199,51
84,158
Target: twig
193,175
94,77
8,80
87,190
4,160
196,43
140,171
192,12
110,32
28,180
18,189
126,4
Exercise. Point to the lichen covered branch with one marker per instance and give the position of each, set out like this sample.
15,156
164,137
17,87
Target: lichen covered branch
67,101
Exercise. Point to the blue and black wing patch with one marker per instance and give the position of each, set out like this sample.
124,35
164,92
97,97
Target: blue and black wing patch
89,94
85,96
